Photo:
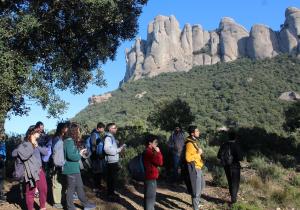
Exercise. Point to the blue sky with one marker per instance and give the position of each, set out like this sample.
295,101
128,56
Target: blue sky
207,13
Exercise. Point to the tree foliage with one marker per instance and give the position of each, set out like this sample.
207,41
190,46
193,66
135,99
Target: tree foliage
172,114
292,116
47,46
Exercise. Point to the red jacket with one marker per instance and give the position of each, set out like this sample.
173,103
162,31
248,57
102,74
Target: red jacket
152,160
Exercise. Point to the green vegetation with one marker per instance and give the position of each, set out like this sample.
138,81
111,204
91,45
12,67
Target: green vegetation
243,93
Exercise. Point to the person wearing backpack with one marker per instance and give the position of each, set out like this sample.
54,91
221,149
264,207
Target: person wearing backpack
152,159
58,162
175,144
29,153
71,168
193,168
230,156
97,156
112,157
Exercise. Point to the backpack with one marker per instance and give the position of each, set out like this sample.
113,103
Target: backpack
182,160
58,157
136,167
19,172
226,156
99,143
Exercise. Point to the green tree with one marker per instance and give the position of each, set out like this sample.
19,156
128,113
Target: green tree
46,46
292,117
168,115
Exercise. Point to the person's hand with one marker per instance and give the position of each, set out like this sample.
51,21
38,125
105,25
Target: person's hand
157,149
123,146
200,151
34,143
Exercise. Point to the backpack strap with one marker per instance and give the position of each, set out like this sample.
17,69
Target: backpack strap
194,144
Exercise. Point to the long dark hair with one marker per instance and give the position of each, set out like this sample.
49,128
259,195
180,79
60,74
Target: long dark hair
59,129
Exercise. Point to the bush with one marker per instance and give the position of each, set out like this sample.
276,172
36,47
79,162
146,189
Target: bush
295,180
244,206
287,197
266,170
219,177
255,182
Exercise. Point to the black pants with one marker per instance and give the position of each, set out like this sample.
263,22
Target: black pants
112,174
233,175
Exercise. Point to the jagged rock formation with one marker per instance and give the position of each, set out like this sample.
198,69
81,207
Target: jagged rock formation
168,49
99,99
289,96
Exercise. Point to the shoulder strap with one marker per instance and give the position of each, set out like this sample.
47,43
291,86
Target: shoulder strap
194,144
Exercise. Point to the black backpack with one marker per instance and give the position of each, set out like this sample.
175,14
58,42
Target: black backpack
136,167
226,156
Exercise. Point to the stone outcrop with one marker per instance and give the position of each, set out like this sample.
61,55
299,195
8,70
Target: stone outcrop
99,99
170,49
289,96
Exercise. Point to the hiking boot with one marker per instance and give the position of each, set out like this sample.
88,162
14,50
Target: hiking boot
89,206
58,206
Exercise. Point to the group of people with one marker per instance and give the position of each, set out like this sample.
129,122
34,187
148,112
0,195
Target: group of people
187,158
55,161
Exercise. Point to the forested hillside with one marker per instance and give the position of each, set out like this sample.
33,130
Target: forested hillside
243,93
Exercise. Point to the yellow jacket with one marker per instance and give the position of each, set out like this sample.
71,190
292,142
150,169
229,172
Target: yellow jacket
192,152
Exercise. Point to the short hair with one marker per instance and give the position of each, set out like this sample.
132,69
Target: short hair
192,129
100,125
232,134
38,124
150,138
109,125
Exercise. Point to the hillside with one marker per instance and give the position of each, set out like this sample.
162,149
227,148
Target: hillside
244,91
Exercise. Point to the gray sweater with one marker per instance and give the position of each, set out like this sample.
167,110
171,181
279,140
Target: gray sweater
31,158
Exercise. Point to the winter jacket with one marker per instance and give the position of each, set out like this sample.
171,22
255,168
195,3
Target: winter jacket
152,160
111,149
32,159
192,152
72,157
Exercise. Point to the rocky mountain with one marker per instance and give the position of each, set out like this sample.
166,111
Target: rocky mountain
169,49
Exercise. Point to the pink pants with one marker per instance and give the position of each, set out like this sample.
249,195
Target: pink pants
41,185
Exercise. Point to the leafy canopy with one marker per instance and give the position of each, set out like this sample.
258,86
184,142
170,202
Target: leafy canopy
172,114
47,46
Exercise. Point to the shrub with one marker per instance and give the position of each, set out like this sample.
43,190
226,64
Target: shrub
266,170
295,180
244,206
255,182
219,177
287,197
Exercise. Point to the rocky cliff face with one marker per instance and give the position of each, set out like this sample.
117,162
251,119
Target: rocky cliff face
168,49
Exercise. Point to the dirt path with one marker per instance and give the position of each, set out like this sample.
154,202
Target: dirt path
169,196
